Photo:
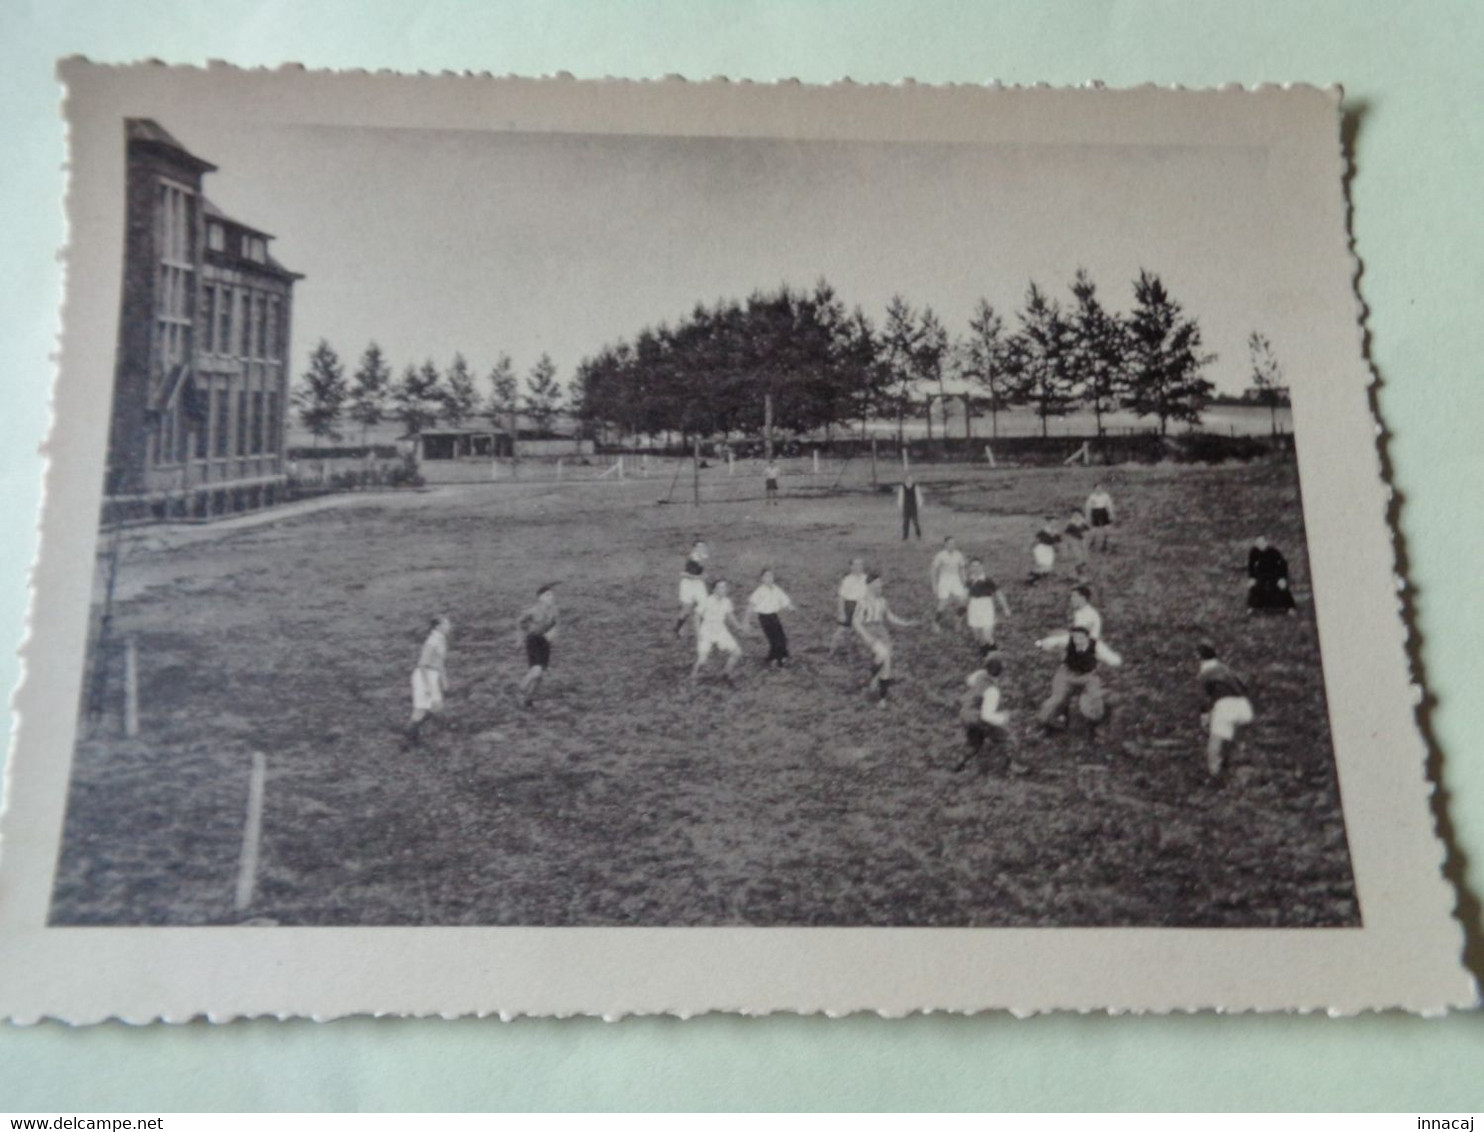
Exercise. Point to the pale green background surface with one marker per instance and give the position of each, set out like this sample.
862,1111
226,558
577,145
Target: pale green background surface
1416,71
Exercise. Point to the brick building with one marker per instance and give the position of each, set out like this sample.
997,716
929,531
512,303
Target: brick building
201,378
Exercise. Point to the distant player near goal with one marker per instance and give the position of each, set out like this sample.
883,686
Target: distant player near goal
947,576
692,584
536,627
985,597
1100,516
849,595
770,482
430,677
715,620
872,620
1228,708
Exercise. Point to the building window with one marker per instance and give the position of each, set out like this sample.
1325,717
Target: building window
275,329
223,404
242,423
208,319
201,429
262,319
256,249
224,320
275,426
247,311
257,424
216,237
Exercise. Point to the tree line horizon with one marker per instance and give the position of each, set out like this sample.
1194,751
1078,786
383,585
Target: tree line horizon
798,360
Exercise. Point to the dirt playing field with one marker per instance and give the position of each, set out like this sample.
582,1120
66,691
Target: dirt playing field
628,796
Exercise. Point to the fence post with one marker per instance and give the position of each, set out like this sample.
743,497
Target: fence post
816,461
620,467
731,463
559,467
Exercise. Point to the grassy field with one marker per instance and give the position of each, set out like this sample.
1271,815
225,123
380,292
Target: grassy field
630,796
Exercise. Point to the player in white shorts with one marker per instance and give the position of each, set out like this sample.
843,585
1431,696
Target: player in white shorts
692,584
947,576
985,599
872,616
851,593
1228,708
1043,551
430,677
715,620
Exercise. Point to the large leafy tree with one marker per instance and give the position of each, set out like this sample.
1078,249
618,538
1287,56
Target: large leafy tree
1267,376
543,394
460,398
1099,354
1040,357
1166,357
321,395
369,390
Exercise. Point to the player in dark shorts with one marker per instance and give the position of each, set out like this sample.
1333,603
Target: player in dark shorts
1075,541
536,627
983,719
770,482
1100,516
852,589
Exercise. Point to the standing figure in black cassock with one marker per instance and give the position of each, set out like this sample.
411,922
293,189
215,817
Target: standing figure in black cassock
1267,579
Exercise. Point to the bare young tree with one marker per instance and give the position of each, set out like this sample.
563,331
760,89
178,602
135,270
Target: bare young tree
1267,376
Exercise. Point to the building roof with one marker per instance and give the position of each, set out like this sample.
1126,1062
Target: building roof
148,132
213,212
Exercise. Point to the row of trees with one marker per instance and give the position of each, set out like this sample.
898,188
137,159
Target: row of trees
423,396
799,360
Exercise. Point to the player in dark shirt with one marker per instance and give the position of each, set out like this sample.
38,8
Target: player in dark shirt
1268,588
1228,707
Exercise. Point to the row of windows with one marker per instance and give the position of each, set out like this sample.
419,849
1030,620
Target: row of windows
258,428
254,248
242,322
175,215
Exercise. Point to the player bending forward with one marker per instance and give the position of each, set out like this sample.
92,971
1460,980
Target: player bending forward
872,618
1076,675
1228,708
715,619
947,577
767,602
851,593
430,677
983,719
536,628
692,585
984,596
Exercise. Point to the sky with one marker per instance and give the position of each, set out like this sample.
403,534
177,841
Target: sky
436,241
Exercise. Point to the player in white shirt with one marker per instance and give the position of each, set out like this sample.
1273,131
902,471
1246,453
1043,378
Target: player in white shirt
692,584
983,718
1083,614
1100,516
767,602
430,677
947,577
715,620
770,482
872,618
851,593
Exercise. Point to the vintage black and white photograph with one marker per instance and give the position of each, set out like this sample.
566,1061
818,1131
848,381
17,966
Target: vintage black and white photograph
606,528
